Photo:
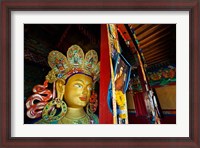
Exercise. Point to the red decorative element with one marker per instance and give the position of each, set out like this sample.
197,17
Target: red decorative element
169,73
59,64
75,70
93,97
41,94
105,116
93,102
172,73
122,34
123,31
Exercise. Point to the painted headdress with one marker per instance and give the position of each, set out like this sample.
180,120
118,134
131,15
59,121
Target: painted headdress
75,62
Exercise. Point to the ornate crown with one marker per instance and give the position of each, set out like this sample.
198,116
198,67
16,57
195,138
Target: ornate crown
75,62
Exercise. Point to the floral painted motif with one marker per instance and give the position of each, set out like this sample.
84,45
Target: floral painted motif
162,76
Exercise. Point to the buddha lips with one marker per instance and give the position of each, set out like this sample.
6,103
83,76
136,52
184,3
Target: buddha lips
83,98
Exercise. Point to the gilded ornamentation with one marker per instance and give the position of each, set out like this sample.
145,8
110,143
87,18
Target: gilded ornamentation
75,62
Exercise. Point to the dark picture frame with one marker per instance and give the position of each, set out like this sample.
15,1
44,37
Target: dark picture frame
122,65
193,6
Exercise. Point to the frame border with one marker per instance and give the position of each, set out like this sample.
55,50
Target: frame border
193,141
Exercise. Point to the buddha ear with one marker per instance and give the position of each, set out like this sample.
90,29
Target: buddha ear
60,88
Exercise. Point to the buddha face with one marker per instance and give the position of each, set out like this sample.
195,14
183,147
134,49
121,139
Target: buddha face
78,90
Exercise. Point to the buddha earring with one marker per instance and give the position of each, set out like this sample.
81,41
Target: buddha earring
49,113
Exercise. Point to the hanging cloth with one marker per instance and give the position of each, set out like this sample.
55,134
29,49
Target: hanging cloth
140,106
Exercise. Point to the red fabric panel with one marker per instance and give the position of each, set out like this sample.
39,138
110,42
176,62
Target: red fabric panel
140,106
105,116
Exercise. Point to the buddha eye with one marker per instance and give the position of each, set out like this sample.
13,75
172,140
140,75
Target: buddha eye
89,88
78,85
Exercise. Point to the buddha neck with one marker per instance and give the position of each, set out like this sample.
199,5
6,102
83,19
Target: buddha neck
75,116
75,113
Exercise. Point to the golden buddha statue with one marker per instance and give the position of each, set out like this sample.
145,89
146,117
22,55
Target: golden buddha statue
74,78
78,91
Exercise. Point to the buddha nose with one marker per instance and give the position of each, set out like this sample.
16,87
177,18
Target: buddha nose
85,91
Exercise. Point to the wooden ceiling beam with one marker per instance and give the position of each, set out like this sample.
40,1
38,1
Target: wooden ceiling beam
145,29
154,35
161,43
157,62
155,40
159,47
151,30
136,26
157,58
164,51
142,28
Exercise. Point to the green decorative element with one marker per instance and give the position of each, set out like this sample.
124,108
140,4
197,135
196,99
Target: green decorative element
83,120
49,114
162,76
75,56
136,84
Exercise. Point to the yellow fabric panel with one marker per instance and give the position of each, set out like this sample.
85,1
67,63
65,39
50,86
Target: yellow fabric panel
167,96
130,102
